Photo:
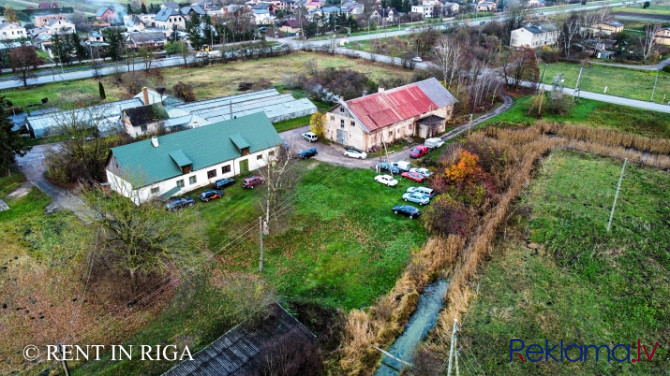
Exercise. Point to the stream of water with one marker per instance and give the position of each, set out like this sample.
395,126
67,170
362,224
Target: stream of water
418,326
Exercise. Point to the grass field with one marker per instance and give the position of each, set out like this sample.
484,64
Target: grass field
597,114
208,82
560,275
621,82
661,9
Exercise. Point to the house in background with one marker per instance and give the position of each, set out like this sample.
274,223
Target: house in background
138,121
11,31
424,10
106,14
60,27
181,162
534,36
450,9
170,18
290,27
605,28
486,6
419,109
663,36
148,39
42,19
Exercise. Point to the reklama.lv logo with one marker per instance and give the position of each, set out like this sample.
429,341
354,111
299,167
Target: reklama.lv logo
577,353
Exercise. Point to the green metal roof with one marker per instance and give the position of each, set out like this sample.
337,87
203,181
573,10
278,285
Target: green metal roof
239,141
143,164
180,158
173,191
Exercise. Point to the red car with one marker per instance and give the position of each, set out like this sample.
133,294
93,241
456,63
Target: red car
418,151
252,181
413,176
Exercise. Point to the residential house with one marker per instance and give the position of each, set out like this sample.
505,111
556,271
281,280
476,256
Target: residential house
605,28
353,8
291,26
426,11
663,36
450,9
12,30
381,14
535,3
419,109
96,36
487,6
288,5
106,14
42,19
48,5
181,162
534,36
60,27
314,5
147,119
169,19
247,348
601,48
193,9
149,39
263,17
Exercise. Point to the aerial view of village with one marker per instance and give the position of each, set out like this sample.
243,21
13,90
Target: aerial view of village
334,187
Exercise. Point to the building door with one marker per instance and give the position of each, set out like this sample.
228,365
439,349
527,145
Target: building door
341,137
244,166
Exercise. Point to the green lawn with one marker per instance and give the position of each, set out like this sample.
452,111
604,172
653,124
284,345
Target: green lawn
594,113
621,82
652,9
583,285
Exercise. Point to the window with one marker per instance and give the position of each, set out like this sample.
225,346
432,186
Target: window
353,123
390,133
225,169
193,179
211,174
143,128
259,157
180,183
341,123
271,153
332,118
341,109
154,191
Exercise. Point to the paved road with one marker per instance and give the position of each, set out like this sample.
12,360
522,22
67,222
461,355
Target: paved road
334,153
655,67
33,166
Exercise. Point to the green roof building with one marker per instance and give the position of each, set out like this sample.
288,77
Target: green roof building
180,162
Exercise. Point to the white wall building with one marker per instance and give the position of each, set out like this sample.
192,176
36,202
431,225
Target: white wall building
11,31
534,36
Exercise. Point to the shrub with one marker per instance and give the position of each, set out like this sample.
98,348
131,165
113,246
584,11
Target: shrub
184,92
447,216
316,123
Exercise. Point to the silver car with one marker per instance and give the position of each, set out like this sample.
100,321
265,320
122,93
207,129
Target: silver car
353,153
421,170
418,198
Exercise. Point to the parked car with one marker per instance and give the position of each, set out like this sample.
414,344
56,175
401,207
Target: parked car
416,197
210,194
252,181
310,136
387,167
307,153
417,59
219,184
418,151
433,143
417,177
422,170
178,203
407,210
353,153
386,180
422,190
402,165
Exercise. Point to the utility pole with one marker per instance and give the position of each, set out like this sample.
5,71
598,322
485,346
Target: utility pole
66,369
470,125
451,350
260,234
616,195
577,88
654,89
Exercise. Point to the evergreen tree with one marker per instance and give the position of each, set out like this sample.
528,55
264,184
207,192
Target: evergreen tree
143,9
61,49
80,51
406,6
10,141
397,4
194,32
101,91
115,50
130,9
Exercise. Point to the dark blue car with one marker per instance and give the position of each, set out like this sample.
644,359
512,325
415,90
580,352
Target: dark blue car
210,194
387,167
178,203
307,153
219,184
407,210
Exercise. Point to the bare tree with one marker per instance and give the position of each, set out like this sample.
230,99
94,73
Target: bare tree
648,41
516,14
147,56
280,177
520,65
451,58
24,60
569,30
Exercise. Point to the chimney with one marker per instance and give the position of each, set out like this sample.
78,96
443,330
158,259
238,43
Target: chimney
380,90
145,91
154,141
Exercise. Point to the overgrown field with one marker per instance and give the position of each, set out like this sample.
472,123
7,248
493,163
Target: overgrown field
561,276
620,82
592,113
208,82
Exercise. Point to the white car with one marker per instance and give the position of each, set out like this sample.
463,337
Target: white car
421,170
417,59
386,180
422,190
310,136
433,143
353,153
416,197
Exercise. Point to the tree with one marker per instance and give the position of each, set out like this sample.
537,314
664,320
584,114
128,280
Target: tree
10,141
81,52
316,123
569,28
10,15
147,57
516,16
101,91
280,177
115,41
183,91
648,41
194,30
142,241
61,49
24,60
143,9
129,9
451,59
644,6
520,65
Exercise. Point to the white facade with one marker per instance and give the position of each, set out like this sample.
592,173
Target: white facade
11,31
425,10
191,181
171,21
60,27
533,37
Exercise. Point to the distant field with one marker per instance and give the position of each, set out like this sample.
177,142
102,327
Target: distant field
655,9
621,82
561,276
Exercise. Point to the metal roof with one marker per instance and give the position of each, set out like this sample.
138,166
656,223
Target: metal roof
53,120
204,146
382,109
244,350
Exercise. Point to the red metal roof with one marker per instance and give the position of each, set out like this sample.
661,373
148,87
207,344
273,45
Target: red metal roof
388,107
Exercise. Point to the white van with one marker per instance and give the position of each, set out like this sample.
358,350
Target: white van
433,143
402,165
423,190
310,136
